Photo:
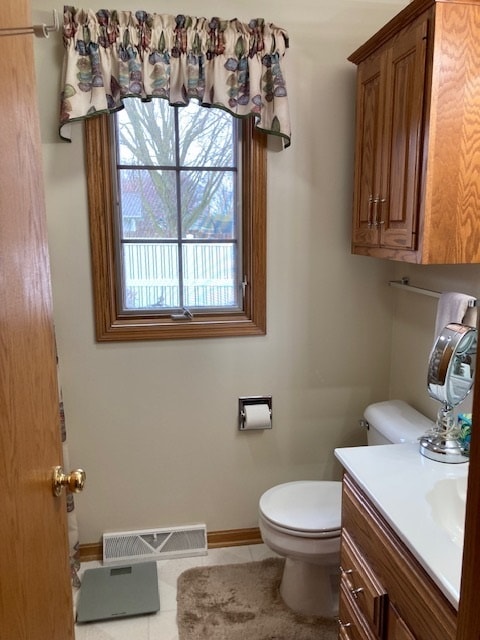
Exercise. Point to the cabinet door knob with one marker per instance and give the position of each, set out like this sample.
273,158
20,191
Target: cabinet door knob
381,202
355,592
376,201
343,631
344,625
370,212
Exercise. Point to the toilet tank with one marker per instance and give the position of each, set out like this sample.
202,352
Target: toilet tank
395,422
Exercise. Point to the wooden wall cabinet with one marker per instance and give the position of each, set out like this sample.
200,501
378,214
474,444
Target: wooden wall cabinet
417,149
385,594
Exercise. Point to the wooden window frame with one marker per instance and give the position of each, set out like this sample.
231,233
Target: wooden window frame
110,323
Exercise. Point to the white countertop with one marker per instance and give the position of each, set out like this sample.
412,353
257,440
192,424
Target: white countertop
399,481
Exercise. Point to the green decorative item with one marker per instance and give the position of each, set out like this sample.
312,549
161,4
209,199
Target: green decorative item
465,425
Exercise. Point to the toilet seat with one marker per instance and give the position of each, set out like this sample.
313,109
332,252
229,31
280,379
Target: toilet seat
306,508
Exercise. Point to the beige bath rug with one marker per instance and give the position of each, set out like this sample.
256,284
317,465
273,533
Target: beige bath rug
242,602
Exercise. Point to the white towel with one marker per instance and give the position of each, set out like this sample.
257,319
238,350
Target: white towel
454,307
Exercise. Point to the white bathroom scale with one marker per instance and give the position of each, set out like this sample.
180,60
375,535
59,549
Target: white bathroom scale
118,592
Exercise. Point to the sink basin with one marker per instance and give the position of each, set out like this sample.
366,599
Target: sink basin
447,501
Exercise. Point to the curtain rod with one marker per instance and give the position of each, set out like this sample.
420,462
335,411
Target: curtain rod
40,30
404,283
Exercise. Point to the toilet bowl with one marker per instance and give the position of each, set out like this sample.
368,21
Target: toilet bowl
301,520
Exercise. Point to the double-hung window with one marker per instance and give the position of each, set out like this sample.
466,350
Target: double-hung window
177,220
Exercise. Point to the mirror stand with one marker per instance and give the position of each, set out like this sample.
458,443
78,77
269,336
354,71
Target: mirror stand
443,443
450,380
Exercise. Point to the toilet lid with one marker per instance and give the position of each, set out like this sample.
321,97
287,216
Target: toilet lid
306,505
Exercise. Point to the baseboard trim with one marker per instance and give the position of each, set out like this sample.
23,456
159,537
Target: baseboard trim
233,537
91,551
215,539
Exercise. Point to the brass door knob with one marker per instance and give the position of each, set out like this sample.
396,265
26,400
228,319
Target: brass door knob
75,480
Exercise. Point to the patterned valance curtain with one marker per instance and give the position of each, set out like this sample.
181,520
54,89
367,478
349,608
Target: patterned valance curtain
112,55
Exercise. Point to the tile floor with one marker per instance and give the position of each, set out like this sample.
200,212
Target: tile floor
163,625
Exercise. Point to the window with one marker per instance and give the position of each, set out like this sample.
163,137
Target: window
177,223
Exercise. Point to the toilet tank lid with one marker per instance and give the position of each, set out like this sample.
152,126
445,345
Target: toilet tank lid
397,421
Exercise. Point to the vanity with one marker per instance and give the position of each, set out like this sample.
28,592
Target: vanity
403,515
402,539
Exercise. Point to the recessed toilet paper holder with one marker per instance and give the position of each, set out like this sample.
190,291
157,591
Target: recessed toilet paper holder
253,400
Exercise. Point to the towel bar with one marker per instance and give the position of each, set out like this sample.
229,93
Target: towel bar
40,30
404,283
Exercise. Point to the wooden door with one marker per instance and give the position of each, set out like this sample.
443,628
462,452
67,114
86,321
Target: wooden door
404,83
35,591
369,116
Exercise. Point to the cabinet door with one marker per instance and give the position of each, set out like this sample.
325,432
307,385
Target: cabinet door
397,209
397,629
366,589
367,151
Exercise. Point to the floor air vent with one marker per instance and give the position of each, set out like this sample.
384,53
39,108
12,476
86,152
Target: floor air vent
154,544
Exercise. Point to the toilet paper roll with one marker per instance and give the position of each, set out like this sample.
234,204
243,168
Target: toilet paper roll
257,416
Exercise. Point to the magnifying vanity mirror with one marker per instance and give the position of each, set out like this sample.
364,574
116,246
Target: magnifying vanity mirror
450,379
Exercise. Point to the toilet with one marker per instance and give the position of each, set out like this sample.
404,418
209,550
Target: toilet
301,520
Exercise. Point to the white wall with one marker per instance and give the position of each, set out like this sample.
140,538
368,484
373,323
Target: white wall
155,423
